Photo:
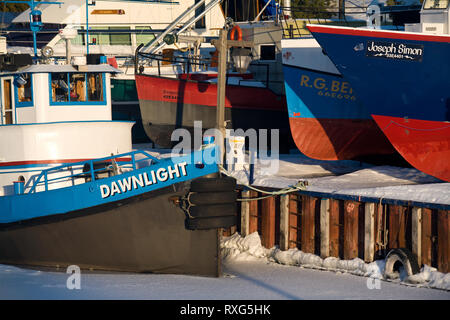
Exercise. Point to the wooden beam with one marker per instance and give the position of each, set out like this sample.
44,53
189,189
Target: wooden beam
416,236
369,232
284,222
308,224
253,213
426,236
351,210
335,228
394,226
324,228
443,252
245,214
294,220
268,222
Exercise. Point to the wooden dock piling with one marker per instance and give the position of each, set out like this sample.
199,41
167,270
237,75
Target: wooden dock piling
349,227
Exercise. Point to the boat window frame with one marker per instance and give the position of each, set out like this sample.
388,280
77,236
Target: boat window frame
103,102
274,53
23,104
425,2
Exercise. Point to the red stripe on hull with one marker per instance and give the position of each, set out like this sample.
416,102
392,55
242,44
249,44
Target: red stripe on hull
204,93
338,139
399,35
424,144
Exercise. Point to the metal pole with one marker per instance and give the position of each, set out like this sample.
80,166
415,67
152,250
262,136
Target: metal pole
87,26
68,51
221,86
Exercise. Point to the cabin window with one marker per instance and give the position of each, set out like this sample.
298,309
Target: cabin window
95,87
201,23
143,36
79,39
267,52
77,88
23,90
436,4
60,87
98,36
121,37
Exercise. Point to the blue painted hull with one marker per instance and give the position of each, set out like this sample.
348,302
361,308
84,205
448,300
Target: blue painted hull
403,80
126,222
397,87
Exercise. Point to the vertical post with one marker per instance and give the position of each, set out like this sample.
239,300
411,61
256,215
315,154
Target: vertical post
335,228
351,211
369,232
221,82
87,26
341,9
284,222
245,214
68,51
308,224
268,222
325,228
443,239
427,236
34,44
416,237
254,213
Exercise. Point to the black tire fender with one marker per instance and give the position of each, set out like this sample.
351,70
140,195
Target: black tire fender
213,210
210,223
206,198
403,256
213,184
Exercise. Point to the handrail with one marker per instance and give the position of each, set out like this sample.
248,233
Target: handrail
312,16
43,177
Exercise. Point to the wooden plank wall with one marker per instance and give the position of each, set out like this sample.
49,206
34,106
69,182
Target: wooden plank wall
346,229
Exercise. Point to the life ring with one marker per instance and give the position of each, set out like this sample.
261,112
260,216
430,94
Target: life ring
239,33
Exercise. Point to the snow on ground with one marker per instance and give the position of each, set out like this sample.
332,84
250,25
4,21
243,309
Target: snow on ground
249,248
250,272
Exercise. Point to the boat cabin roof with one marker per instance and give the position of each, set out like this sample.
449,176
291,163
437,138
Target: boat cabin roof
66,68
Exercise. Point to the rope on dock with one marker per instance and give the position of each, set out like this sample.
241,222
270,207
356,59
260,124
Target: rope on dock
301,185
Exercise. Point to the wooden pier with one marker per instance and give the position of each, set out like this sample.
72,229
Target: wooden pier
347,227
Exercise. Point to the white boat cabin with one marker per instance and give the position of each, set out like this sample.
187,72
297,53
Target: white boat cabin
434,18
53,115
54,93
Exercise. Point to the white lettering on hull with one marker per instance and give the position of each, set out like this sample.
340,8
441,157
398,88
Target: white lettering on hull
143,180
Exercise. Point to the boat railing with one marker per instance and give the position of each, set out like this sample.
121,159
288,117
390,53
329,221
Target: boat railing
88,170
191,63
187,63
295,27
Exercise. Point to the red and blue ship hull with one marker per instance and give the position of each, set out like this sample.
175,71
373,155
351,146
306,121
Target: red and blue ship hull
327,120
402,80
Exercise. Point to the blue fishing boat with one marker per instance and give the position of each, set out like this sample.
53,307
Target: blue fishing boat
73,192
402,79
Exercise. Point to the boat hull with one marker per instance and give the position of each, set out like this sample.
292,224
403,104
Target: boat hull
167,104
339,139
144,233
400,77
424,144
327,120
